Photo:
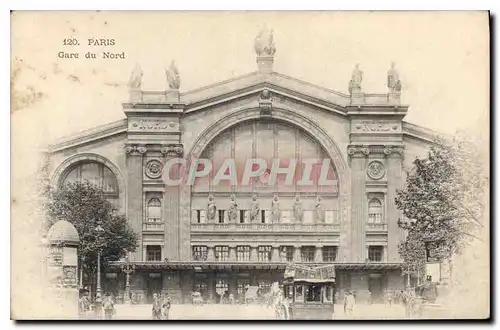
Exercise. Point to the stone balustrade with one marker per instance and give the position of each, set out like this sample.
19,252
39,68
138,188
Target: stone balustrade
148,226
376,227
265,227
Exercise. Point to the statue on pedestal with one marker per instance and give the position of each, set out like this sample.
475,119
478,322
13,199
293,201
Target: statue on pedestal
264,43
356,79
233,210
135,80
393,81
255,211
319,210
211,209
173,77
298,213
275,208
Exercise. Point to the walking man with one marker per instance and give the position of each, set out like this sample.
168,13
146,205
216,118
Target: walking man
109,306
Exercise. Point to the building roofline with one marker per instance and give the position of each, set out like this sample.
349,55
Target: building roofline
90,135
422,133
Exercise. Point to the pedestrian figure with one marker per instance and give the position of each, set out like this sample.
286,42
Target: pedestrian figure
156,307
349,304
83,305
109,306
166,303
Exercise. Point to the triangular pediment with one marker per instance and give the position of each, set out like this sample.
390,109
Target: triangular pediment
257,81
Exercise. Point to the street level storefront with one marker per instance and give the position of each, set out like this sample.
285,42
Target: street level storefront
212,280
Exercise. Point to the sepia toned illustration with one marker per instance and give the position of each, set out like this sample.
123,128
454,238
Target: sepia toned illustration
154,179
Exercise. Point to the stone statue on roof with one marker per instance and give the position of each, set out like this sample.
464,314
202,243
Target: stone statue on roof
393,82
173,77
135,80
264,43
356,79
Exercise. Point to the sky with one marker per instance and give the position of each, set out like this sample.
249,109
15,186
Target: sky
442,58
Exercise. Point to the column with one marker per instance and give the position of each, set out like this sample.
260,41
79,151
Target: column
275,254
134,193
171,217
232,253
395,181
210,253
318,256
253,253
296,253
358,206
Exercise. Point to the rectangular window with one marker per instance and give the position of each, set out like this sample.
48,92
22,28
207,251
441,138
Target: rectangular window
200,252
153,253
286,252
243,216
200,216
375,253
329,253
264,253
221,253
243,253
289,253
242,284
221,286
263,216
307,253
221,216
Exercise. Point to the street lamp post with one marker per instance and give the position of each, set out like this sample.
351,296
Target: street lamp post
127,268
98,296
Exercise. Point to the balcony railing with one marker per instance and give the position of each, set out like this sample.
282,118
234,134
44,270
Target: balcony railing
371,226
152,226
264,227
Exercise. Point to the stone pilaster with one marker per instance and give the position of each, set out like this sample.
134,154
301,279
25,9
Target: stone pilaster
275,254
395,181
135,155
296,253
318,256
253,253
210,253
171,210
358,204
232,253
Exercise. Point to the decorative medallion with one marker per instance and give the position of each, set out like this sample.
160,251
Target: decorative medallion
154,168
376,170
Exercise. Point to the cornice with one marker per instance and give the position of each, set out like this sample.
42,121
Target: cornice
424,134
91,135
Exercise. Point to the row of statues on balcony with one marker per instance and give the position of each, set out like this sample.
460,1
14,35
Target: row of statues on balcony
255,211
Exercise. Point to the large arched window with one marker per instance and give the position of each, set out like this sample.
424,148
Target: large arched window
375,211
154,211
98,174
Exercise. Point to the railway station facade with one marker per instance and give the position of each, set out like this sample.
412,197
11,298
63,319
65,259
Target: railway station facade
221,237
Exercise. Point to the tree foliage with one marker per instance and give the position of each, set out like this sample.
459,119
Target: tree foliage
84,205
443,201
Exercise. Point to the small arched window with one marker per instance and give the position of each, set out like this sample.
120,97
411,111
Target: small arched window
154,210
374,211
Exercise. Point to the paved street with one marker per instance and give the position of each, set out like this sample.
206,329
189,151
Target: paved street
253,312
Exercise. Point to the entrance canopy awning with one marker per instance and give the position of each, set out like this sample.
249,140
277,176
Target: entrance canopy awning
201,266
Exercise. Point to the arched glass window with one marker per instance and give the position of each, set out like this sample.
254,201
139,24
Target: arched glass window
375,211
154,210
98,174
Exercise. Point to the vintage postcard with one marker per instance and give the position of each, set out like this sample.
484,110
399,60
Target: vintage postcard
250,165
